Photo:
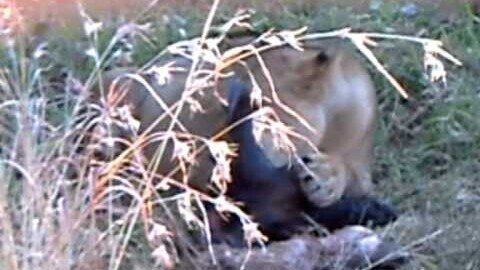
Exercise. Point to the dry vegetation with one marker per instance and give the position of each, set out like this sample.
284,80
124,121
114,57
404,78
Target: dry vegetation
67,202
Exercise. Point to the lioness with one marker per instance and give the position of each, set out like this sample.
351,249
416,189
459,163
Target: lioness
281,213
325,84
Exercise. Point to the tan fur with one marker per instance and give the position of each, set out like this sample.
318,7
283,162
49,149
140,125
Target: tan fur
335,96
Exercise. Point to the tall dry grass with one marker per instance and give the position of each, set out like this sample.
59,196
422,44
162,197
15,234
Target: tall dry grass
68,203
69,199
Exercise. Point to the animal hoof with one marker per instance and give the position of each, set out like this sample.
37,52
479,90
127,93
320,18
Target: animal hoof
372,211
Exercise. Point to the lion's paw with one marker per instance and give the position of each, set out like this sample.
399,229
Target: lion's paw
322,181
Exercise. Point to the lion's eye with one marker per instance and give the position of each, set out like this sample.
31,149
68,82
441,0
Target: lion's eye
322,57
307,160
308,178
